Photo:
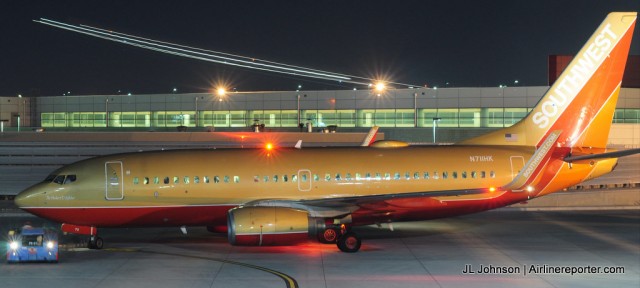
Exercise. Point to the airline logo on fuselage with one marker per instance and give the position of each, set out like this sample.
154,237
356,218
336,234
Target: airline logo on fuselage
573,80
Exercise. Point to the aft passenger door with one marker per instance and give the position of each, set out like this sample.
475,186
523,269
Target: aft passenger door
114,184
304,180
517,164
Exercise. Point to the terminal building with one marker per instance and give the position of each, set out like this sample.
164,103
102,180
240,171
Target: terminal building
455,112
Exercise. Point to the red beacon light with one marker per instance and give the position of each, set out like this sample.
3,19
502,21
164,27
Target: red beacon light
268,146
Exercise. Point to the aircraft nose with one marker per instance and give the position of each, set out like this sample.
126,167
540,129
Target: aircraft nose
28,198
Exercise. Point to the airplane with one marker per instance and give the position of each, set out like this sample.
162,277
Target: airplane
279,196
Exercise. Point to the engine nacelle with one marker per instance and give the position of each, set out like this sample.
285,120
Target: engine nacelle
258,226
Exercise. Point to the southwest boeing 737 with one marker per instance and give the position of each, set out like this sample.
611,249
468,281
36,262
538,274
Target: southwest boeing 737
277,196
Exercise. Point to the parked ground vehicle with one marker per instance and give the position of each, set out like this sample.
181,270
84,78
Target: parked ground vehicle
31,244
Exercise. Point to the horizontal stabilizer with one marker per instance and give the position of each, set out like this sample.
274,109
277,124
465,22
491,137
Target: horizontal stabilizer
616,154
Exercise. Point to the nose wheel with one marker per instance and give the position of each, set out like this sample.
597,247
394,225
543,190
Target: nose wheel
96,243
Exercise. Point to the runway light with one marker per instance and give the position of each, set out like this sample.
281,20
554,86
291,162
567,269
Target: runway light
380,86
221,91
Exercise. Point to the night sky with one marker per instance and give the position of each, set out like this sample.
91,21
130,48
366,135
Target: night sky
464,43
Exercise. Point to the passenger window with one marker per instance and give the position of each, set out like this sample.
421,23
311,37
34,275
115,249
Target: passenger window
236,179
275,178
146,180
266,179
327,177
304,177
196,179
435,175
226,179
492,174
378,176
407,175
285,178
206,179
294,178
367,176
474,174
176,179
464,174
387,176
186,180
156,180
166,180
338,178
396,176
70,179
256,179
455,174
316,177
216,179
445,175
59,179
426,175
135,180
416,175
483,174
358,176
348,177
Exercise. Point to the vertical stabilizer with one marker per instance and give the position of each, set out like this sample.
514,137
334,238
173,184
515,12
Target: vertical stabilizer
582,101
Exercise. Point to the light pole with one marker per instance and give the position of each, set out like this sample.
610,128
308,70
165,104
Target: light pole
106,112
415,109
195,116
435,123
299,110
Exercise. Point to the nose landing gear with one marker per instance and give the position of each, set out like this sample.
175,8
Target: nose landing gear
95,242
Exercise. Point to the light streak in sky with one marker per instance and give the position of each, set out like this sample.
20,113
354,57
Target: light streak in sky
211,56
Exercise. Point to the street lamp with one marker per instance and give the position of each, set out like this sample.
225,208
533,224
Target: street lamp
415,109
106,112
196,116
299,123
435,123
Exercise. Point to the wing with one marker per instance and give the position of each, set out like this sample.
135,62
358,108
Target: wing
337,207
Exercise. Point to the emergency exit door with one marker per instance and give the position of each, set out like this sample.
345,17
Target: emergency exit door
304,180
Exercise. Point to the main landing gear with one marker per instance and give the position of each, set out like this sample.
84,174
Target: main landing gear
349,242
346,240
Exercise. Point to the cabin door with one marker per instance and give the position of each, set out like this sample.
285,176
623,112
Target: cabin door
517,164
304,180
114,184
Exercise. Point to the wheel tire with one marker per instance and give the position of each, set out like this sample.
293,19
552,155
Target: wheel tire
329,236
99,243
96,243
349,243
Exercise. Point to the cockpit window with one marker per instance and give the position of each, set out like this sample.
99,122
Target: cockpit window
70,179
59,179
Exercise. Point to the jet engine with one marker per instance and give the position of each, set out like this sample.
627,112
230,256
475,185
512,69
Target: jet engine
259,226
